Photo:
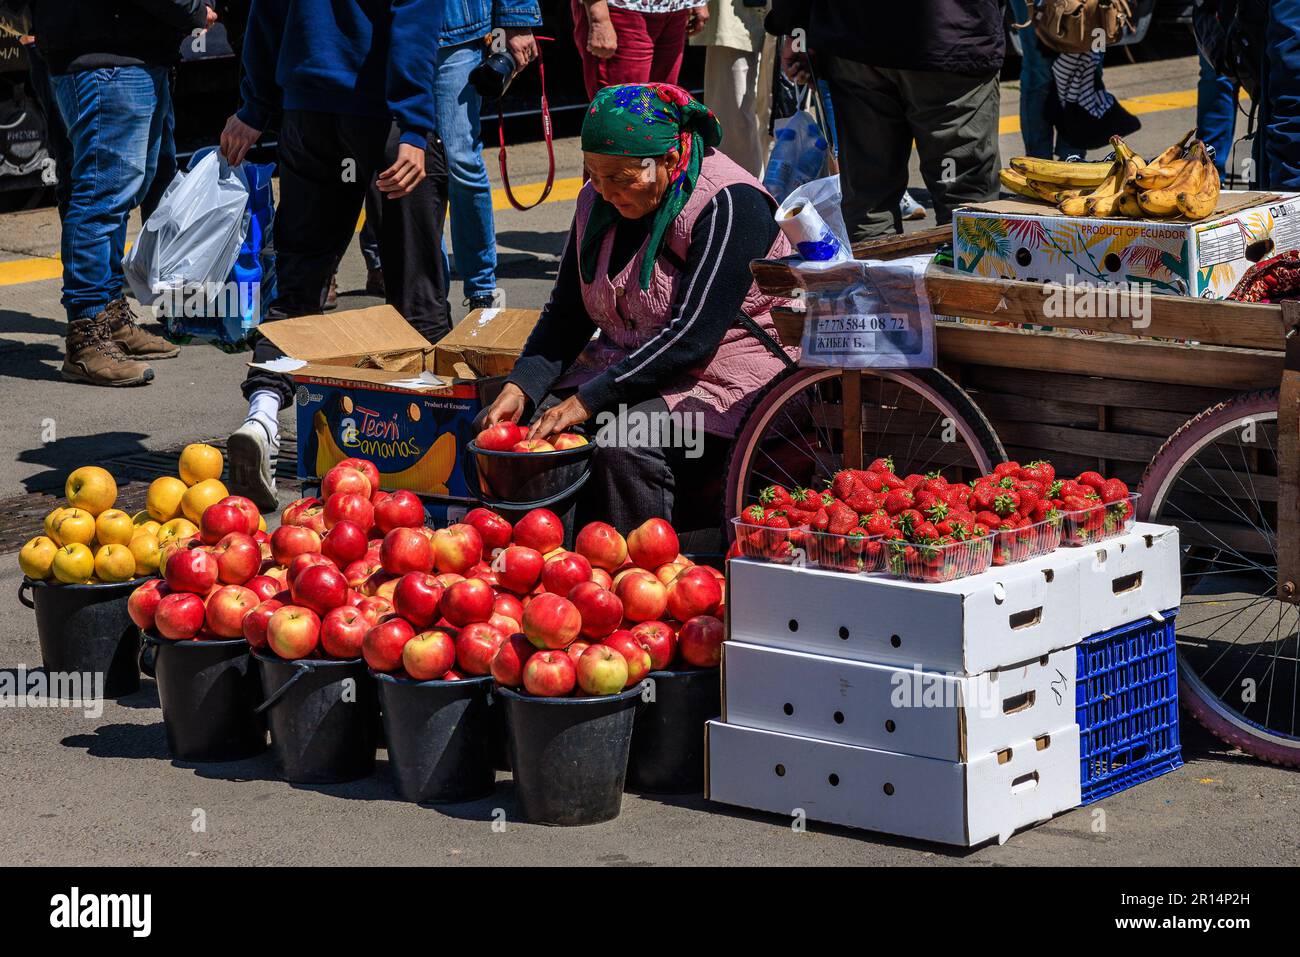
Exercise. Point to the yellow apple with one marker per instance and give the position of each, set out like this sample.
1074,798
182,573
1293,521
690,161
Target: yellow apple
37,556
91,488
114,563
198,497
52,522
163,500
75,525
146,528
74,564
113,527
198,463
144,548
176,530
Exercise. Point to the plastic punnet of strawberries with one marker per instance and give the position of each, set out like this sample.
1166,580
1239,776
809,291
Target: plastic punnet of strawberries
1093,508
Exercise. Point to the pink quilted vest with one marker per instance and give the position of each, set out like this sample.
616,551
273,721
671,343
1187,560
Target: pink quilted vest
628,315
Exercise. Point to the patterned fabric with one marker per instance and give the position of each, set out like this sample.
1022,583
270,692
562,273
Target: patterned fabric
646,120
656,6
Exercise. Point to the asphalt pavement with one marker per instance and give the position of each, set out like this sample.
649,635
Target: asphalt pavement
101,789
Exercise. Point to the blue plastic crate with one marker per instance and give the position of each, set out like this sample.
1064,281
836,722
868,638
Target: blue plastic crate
1126,704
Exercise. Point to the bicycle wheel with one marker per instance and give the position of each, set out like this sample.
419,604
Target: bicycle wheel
793,435
1216,479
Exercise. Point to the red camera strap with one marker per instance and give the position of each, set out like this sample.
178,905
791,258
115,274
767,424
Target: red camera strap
546,131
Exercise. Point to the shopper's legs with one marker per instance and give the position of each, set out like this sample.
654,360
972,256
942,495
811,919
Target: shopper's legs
634,60
667,32
166,168
730,90
473,229
1280,160
56,134
1216,112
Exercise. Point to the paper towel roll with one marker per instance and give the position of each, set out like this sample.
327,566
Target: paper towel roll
804,227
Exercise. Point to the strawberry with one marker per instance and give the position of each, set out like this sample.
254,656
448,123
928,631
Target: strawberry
925,532
827,499
1030,496
982,496
753,515
957,495
1113,490
843,484
820,519
774,496
882,465
1007,502
862,501
936,510
897,500
912,481
1038,471
908,519
777,519
1005,468
1092,479
877,523
871,481
841,519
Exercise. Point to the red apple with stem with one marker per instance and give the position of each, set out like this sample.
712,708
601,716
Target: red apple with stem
345,480
551,621
220,519
660,640
693,592
402,509
405,550
636,654
602,670
192,570
143,602
264,586
564,571
518,568
539,529
509,660
602,545
700,641
224,614
383,645
342,632
550,674
466,602
493,529
293,632
179,616
644,597
416,598
344,543
321,588
238,556
290,541
456,548
476,645
652,543
429,655
367,468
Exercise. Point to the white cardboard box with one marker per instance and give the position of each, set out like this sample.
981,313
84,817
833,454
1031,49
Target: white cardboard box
908,710
943,801
1128,578
1002,617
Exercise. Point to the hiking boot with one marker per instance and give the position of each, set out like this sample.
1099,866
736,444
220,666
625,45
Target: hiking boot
133,340
92,357
251,451
375,282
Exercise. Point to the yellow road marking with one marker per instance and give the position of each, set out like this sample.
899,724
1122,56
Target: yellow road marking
18,271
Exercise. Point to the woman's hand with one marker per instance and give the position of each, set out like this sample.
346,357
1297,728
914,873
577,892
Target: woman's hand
559,418
508,406
698,21
602,41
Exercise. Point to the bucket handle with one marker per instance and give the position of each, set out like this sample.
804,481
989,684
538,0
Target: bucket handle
300,669
470,468
147,659
25,593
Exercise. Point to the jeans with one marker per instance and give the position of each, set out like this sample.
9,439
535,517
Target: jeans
473,230
116,118
1036,85
1277,145
1216,112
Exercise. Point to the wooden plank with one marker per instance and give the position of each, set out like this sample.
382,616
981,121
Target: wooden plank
1093,389
852,408
1288,479
1211,321
1017,408
1055,438
1214,366
1144,421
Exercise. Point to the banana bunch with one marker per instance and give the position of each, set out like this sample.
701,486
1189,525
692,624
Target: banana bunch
1181,181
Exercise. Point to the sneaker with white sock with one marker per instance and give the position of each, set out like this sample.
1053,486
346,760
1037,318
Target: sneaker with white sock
909,208
252,450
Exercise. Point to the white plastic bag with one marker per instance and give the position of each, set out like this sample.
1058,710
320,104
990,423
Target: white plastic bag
811,212
191,241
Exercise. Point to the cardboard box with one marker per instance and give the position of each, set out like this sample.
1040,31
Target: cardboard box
906,710
1022,239
1129,578
944,801
365,387
485,343
1002,617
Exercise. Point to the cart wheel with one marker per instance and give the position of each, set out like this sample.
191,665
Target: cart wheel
795,434
1238,667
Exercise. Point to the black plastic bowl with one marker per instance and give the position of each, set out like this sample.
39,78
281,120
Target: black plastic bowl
525,478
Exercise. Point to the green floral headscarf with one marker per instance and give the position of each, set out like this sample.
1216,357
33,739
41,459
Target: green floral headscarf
645,120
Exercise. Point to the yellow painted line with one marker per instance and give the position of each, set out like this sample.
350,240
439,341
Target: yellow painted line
19,271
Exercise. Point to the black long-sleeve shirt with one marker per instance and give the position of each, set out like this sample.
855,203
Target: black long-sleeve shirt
735,228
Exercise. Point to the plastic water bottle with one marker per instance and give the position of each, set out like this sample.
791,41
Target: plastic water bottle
811,161
781,164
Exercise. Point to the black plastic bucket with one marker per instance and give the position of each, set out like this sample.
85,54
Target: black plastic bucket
570,755
86,629
318,735
500,735
209,694
439,737
514,483
668,743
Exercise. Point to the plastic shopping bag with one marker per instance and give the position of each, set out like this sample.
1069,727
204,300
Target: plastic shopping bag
798,155
811,219
868,315
183,255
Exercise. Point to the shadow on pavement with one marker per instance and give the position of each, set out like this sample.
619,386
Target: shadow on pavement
14,321
61,455
30,361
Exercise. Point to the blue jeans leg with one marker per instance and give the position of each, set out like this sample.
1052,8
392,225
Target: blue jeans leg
1278,142
115,122
1036,85
1216,112
473,230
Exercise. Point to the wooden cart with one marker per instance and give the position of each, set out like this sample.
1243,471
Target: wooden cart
1203,400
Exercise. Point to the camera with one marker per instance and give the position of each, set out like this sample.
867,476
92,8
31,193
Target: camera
492,77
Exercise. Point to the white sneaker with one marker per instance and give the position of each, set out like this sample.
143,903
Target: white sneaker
252,450
909,208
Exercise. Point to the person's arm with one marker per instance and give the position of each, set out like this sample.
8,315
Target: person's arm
736,228
412,52
182,14
786,16
562,331
258,89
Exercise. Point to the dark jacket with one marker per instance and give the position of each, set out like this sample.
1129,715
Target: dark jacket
78,35
957,36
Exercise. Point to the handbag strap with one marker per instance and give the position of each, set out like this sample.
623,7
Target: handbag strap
547,131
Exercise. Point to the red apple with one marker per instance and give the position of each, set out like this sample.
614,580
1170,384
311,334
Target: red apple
507,626
693,592
179,616
238,558
565,570
652,543
405,550
497,438
602,545
551,621
700,641
466,602
660,640
252,517
666,573
350,507
220,519
264,586
344,543
402,509
192,570
494,530
518,568
602,670
550,674
456,548
636,654
601,610
342,631
532,445
569,440
143,602
508,605
416,597
359,572
453,675
345,480
508,663
290,541
644,597
575,650
602,578
320,588
226,608
540,529
476,646
294,511
303,562
374,608
367,468
293,632
253,627
383,645
429,655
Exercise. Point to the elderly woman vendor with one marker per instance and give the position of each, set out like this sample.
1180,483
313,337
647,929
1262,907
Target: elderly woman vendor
657,263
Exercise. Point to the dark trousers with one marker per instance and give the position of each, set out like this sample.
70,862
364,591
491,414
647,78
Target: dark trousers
326,162
952,117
